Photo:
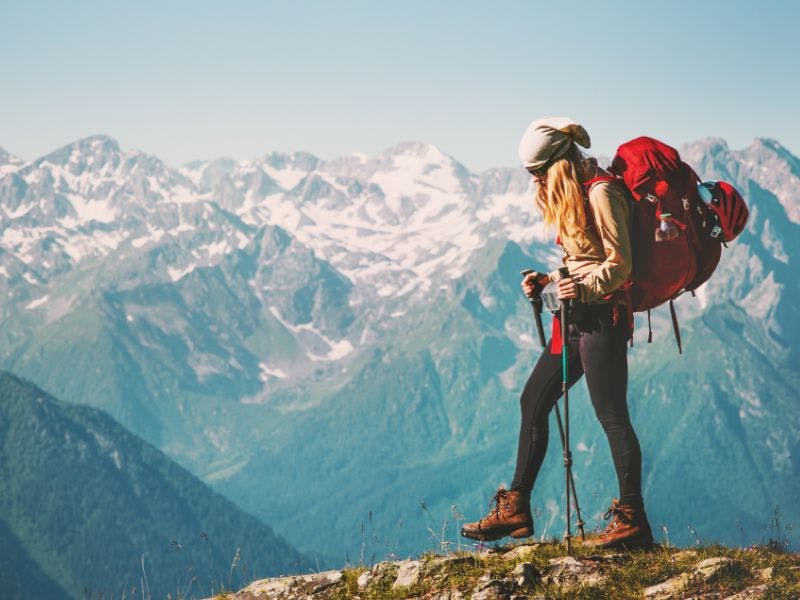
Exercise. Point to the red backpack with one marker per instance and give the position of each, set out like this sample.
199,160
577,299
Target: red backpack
676,237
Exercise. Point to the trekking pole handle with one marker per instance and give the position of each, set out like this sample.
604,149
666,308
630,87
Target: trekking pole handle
537,286
563,273
536,303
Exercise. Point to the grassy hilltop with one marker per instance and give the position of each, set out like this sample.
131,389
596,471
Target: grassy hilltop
542,571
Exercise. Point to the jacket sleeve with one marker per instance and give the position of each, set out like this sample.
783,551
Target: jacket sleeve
611,213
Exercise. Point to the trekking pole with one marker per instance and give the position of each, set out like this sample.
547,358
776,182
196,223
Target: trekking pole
580,522
536,304
563,273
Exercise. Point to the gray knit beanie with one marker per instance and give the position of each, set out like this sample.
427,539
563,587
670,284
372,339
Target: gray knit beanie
548,139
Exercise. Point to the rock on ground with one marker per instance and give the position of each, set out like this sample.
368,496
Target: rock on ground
568,571
281,587
525,574
381,572
703,571
522,551
752,593
408,573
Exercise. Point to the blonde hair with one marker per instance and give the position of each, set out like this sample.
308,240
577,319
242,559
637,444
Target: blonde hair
560,199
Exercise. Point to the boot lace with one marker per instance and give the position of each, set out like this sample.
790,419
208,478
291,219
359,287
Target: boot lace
613,511
499,501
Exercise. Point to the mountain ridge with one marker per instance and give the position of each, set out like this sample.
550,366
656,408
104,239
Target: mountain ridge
373,309
85,500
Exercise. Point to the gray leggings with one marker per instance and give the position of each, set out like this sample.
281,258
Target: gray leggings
597,349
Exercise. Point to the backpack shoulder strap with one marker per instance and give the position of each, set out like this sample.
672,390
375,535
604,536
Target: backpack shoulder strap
599,179
588,185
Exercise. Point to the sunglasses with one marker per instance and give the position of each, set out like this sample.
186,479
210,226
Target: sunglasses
539,173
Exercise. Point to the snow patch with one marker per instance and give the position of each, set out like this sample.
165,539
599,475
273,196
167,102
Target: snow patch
286,178
507,378
336,349
526,339
155,236
773,243
266,372
14,237
760,302
177,274
91,210
20,211
216,249
11,168
487,301
37,302
100,243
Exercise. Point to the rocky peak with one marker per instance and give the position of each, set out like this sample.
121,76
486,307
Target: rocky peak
503,181
705,150
417,149
774,168
296,161
769,146
94,150
208,174
8,162
6,158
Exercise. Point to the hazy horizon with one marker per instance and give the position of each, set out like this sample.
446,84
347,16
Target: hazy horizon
268,151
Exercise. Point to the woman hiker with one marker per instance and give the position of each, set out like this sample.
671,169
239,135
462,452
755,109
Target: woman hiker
593,228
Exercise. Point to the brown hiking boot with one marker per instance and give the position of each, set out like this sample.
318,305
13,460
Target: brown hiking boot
511,515
629,528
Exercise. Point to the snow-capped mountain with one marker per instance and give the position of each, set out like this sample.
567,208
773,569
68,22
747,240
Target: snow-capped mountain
8,162
407,216
394,224
87,200
755,271
231,311
394,227
765,163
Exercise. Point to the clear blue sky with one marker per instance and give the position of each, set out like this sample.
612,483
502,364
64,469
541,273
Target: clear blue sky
186,80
